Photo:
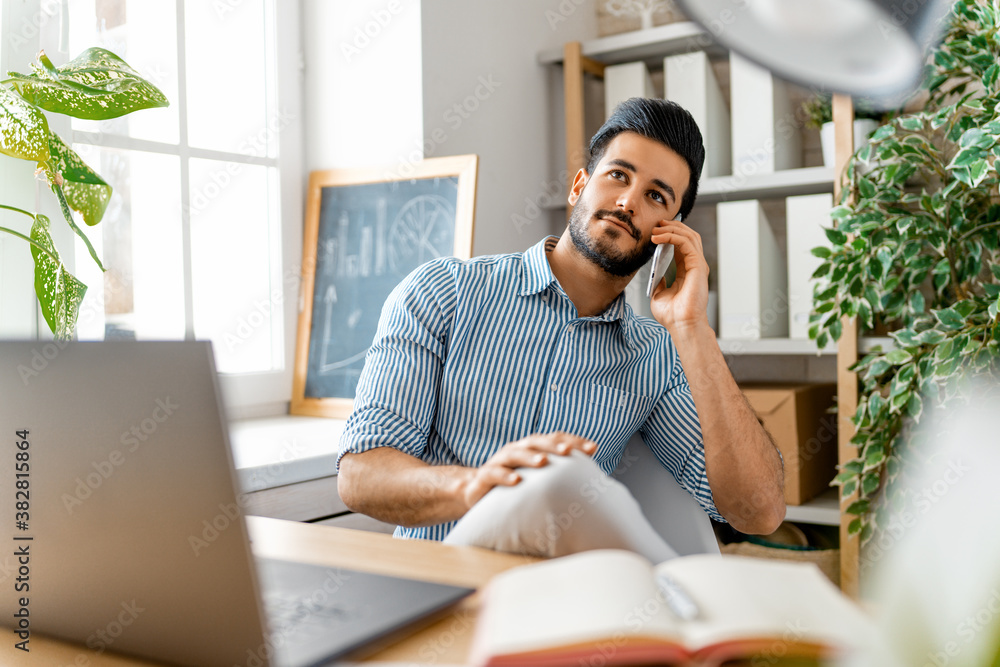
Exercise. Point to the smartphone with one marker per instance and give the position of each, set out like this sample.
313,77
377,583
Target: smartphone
663,265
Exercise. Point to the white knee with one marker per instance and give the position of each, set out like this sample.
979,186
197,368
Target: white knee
564,480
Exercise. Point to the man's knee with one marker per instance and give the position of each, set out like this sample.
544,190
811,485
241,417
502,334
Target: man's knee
564,480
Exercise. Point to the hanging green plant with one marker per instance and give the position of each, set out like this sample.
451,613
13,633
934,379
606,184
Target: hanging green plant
96,85
913,255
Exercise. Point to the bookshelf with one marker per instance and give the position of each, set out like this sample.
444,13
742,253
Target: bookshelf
580,59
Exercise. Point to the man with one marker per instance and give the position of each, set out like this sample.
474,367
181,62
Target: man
482,371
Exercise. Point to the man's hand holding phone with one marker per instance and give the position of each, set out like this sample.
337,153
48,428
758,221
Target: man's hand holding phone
683,301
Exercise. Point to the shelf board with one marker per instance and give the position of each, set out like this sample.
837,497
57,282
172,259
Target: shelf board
786,183
773,346
650,45
824,509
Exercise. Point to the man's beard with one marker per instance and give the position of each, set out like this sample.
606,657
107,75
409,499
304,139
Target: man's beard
602,251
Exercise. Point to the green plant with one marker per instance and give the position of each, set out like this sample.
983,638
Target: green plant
914,255
817,110
97,85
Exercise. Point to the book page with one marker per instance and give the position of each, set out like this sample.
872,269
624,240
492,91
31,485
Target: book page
576,599
752,598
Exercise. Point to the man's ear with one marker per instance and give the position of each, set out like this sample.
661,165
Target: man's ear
581,180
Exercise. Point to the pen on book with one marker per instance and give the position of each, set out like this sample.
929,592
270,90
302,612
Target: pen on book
678,599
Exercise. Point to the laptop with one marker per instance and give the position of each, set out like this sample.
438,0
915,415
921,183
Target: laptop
122,529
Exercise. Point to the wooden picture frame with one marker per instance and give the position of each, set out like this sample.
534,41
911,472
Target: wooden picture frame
366,230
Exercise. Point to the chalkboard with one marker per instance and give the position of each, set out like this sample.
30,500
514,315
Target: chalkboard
365,231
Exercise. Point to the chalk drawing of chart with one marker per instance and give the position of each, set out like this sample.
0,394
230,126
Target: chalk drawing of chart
423,230
371,238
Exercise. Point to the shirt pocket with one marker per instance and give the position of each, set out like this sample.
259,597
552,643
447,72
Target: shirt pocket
616,415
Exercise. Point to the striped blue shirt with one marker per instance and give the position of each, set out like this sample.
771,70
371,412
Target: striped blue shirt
470,355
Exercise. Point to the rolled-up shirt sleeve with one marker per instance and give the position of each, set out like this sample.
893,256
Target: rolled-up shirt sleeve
673,432
396,397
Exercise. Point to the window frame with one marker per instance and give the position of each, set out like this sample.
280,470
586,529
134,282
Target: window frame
261,393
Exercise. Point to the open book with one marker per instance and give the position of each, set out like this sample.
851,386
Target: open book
607,607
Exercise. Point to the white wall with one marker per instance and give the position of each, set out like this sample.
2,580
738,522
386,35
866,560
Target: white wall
485,92
362,81
395,101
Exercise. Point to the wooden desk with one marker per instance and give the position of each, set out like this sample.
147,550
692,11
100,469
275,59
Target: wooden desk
445,642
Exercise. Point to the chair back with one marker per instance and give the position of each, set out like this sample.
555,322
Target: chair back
671,510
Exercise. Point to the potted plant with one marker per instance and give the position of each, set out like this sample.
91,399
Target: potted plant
914,253
645,10
818,112
97,85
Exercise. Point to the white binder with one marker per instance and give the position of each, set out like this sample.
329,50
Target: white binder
806,217
753,291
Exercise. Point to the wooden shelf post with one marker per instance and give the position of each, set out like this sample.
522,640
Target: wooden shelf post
847,354
575,64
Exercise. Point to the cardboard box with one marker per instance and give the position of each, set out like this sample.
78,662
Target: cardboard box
796,417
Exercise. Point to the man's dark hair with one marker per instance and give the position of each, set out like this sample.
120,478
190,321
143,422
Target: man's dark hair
660,120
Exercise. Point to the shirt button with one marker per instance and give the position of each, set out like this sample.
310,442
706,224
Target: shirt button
554,387
622,402
545,296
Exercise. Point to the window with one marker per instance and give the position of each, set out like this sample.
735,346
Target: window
193,238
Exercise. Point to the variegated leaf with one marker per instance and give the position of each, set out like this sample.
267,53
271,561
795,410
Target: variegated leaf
24,131
96,85
58,291
86,192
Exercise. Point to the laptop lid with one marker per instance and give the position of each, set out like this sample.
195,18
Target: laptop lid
125,529
128,535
